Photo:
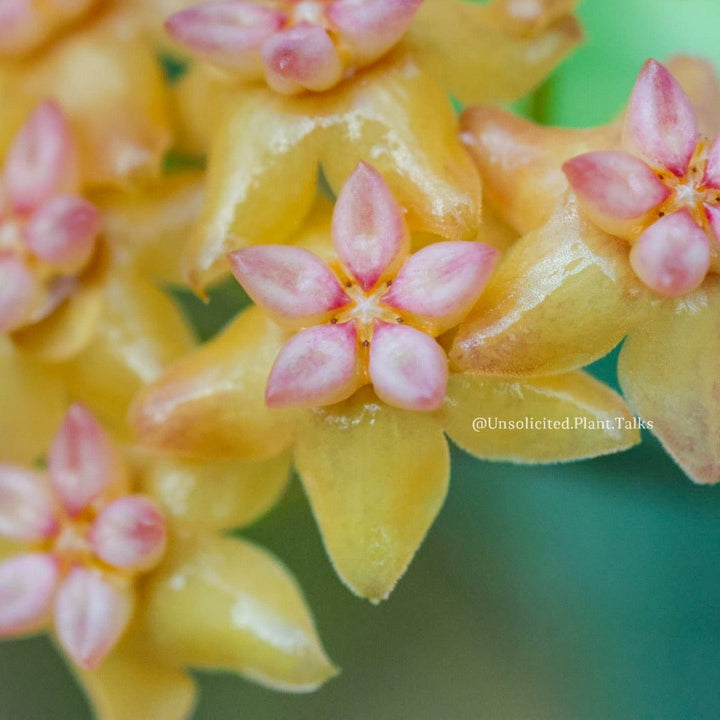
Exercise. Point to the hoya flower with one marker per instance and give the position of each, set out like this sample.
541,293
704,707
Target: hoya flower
630,249
118,556
339,361
94,59
393,112
78,313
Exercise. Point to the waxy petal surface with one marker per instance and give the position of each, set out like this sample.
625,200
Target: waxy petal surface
407,367
441,282
699,80
82,461
677,388
290,283
318,366
712,169
376,477
225,603
27,588
660,123
616,190
600,422
19,293
90,616
712,213
673,255
27,507
368,229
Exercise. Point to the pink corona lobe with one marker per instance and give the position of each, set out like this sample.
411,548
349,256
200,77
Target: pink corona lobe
377,310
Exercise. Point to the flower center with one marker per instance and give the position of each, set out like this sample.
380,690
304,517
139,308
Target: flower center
72,546
307,11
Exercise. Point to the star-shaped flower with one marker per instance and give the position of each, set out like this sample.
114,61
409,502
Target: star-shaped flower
627,248
119,554
373,460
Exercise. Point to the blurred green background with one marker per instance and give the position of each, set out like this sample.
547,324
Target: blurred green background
578,592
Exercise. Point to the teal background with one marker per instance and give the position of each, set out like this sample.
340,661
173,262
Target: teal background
587,591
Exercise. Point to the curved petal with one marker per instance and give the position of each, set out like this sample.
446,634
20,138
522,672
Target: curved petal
376,477
27,588
27,507
537,420
215,494
563,297
698,78
20,292
407,367
673,255
318,366
299,58
133,682
82,461
291,284
712,212
712,169
212,402
668,372
225,603
440,283
481,53
20,27
660,122
90,616
616,190
368,228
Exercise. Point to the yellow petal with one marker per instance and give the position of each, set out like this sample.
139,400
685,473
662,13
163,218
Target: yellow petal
563,297
149,224
212,402
668,370
483,53
139,333
520,162
110,84
573,416
226,604
376,477
216,494
132,682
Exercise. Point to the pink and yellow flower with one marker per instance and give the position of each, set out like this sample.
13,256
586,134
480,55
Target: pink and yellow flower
623,243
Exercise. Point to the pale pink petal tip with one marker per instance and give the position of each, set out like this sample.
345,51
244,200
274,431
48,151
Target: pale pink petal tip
229,33
290,282
27,507
19,293
130,533
41,161
443,281
318,366
18,24
27,587
660,123
301,58
371,27
408,368
712,169
368,228
90,616
63,231
673,255
82,461
614,186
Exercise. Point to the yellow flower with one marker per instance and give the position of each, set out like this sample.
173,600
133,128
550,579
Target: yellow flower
394,112
375,470
622,244
121,555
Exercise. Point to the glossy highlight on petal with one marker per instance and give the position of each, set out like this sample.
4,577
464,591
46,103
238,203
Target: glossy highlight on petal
27,507
292,283
41,161
443,281
82,460
673,255
369,232
19,291
90,616
660,122
130,533
27,586
318,366
407,367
